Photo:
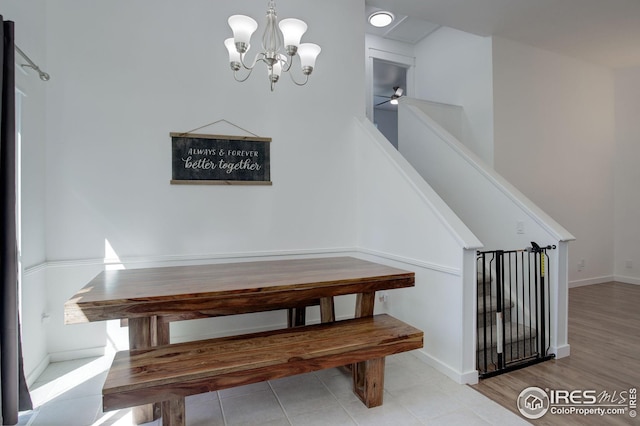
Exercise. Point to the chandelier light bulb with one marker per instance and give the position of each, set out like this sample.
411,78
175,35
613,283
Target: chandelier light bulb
276,68
234,55
292,31
243,28
308,53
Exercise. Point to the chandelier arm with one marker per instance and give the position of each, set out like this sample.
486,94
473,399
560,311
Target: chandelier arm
306,80
289,63
258,57
242,80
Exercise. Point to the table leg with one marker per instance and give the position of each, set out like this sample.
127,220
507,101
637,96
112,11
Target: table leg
364,304
327,310
296,316
140,332
143,333
163,336
364,308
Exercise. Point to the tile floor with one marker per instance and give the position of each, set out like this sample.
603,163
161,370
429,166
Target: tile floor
68,393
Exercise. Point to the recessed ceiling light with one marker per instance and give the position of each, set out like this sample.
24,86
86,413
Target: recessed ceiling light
381,18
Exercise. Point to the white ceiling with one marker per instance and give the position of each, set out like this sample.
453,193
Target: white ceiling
407,29
605,32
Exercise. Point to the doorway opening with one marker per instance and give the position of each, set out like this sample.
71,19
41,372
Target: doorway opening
389,82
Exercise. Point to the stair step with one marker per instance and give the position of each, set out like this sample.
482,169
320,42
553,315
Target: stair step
491,307
491,303
487,279
481,289
513,333
514,350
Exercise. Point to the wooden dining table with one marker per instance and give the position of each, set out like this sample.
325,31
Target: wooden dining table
151,298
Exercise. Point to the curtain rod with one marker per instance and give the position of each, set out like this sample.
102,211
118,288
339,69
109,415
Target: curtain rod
43,75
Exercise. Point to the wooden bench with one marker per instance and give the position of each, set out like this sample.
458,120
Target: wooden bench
171,372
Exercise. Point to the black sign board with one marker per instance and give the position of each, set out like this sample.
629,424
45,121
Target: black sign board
219,159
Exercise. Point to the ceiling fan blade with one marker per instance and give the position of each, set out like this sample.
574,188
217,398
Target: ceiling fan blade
383,102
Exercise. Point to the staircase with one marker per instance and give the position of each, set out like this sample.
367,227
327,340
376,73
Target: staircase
518,298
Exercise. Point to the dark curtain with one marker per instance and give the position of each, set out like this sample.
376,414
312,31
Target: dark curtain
14,393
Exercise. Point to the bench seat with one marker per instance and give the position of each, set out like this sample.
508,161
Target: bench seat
171,372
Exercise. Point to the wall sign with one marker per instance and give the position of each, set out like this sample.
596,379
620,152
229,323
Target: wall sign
219,160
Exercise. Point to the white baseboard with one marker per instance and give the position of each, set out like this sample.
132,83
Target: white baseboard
600,280
165,260
36,372
77,354
626,280
409,261
469,378
561,351
172,260
591,281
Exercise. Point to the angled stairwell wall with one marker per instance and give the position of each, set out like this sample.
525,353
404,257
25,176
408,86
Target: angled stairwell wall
495,211
404,223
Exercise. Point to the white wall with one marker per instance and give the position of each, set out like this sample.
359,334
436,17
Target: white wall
492,208
29,18
627,176
125,75
450,117
387,122
554,141
117,97
454,67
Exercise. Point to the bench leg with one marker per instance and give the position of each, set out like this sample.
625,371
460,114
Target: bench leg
368,381
173,412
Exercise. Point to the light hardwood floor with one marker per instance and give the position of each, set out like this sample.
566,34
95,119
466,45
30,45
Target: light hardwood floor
604,334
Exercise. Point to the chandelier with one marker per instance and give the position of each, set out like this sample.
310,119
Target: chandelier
279,46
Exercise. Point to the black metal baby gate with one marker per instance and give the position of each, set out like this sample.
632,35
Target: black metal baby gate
513,309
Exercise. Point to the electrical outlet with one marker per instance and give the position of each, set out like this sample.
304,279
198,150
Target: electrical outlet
581,265
628,264
519,227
